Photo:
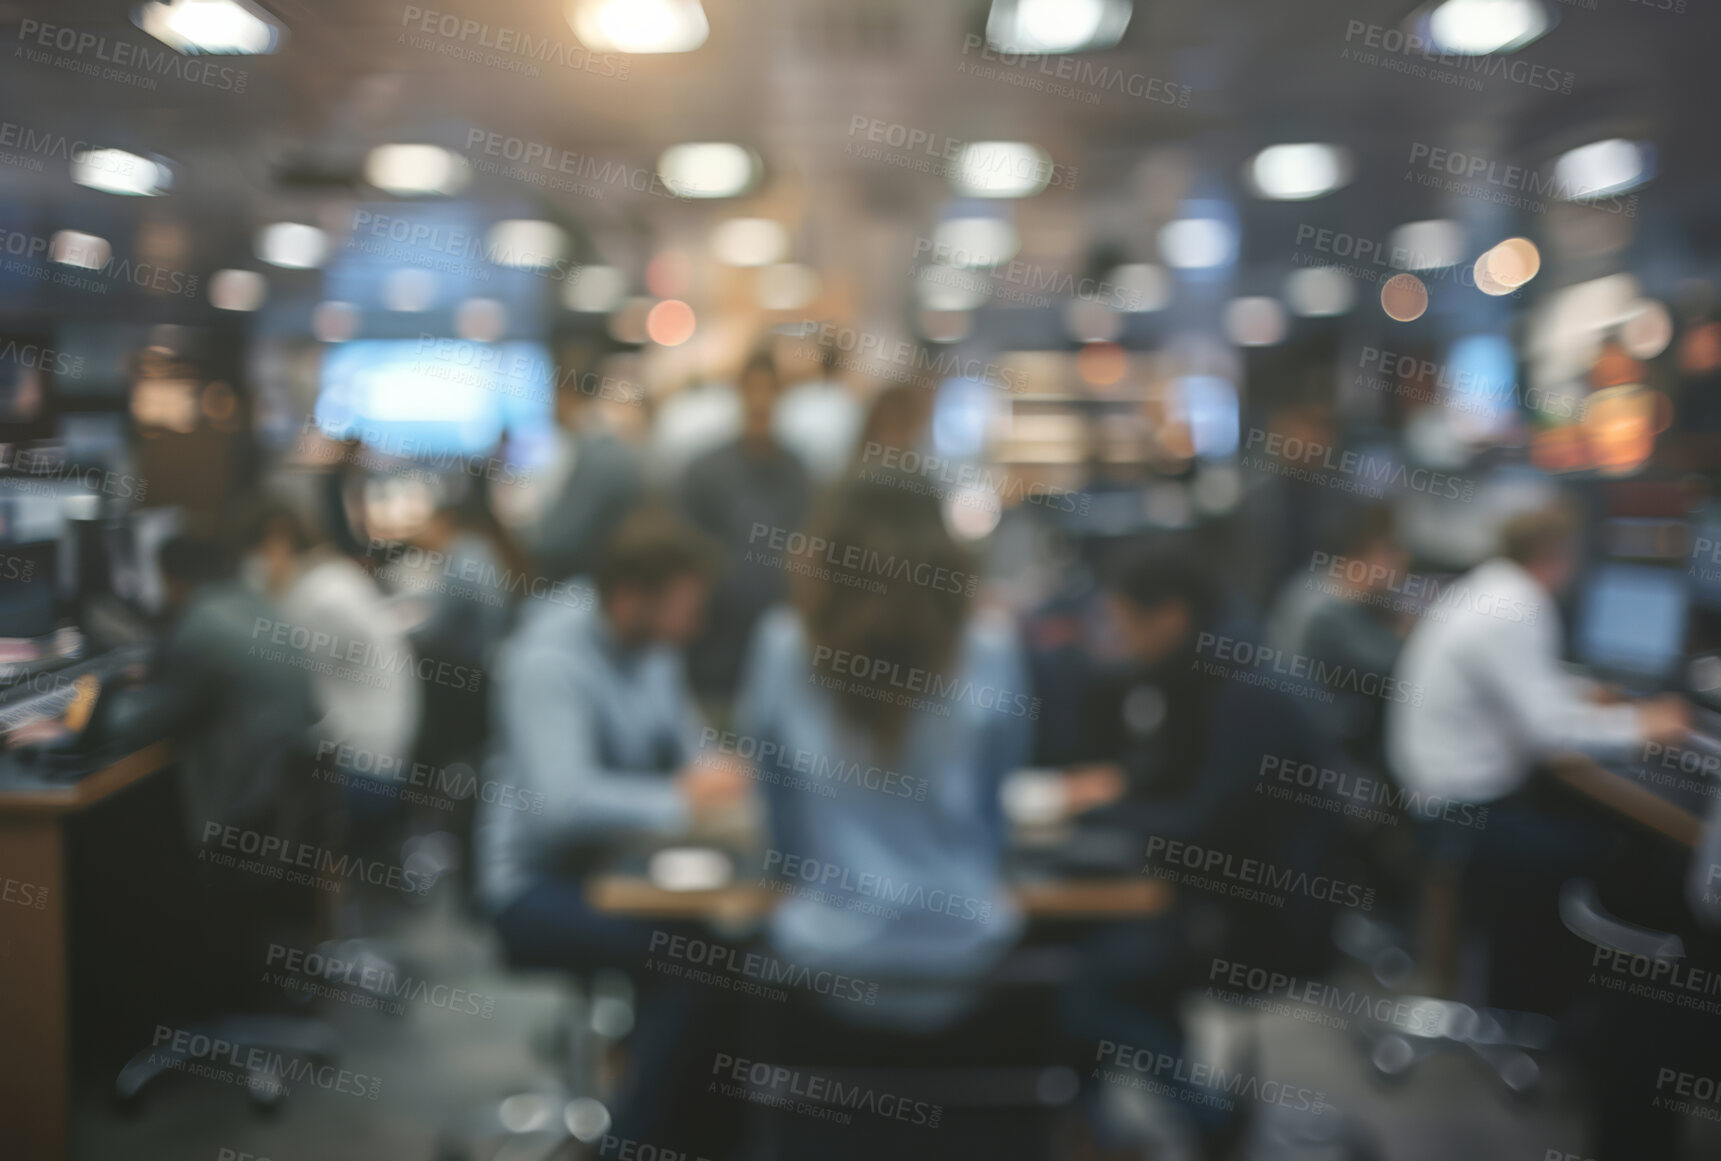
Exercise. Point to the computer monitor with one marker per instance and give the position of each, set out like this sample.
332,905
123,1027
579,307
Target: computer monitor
1632,621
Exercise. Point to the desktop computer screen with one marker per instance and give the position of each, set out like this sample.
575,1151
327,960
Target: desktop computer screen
1633,620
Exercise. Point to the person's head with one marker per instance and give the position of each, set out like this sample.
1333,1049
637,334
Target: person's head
1544,543
187,563
904,621
758,387
1369,534
270,540
653,579
1159,598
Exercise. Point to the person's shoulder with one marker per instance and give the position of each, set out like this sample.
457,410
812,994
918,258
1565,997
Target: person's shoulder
992,640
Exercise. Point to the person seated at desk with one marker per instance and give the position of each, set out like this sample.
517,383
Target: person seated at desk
1494,700
907,708
596,744
1491,702
239,721
1182,752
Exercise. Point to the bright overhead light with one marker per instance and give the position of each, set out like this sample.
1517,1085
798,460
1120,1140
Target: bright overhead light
71,248
117,172
525,244
1600,168
974,242
1320,292
415,169
1427,245
237,290
1479,27
223,27
1404,298
1056,26
1143,286
293,245
639,26
1255,321
594,289
709,169
1292,173
1001,169
749,242
1195,243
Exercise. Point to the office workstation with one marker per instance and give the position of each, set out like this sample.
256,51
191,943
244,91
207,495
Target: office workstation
1082,580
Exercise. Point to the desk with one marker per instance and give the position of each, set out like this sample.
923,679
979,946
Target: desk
1117,898
1626,796
35,1018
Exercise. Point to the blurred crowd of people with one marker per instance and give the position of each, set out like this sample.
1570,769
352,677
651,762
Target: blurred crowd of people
659,594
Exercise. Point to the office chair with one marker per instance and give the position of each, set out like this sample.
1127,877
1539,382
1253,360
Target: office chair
1507,1042
229,949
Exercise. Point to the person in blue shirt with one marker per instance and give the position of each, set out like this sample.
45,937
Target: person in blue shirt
892,709
596,749
882,666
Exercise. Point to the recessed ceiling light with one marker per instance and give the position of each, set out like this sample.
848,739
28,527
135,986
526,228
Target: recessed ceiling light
787,286
526,244
1255,321
72,248
973,242
1601,168
639,26
219,27
293,245
415,169
709,169
1299,172
1001,169
1427,245
1480,27
1056,26
117,172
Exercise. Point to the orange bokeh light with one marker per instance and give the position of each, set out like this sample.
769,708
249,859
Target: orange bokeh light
670,323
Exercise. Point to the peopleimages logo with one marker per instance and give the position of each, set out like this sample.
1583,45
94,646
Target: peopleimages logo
705,961
1461,70
211,1056
1319,463
871,672
1281,777
1429,596
822,1096
466,39
901,361
1243,660
774,763
1257,983
853,564
367,984
1221,1085
828,879
1086,78
1471,171
116,57
1247,878
942,156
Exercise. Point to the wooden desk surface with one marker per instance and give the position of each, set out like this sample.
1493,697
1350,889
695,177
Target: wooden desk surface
38,796
1625,796
1066,899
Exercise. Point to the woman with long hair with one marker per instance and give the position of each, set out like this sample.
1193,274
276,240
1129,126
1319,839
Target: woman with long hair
891,712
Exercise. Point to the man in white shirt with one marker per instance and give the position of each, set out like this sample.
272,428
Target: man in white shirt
1493,700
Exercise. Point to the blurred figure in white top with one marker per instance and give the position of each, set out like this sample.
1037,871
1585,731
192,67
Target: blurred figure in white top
1487,696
